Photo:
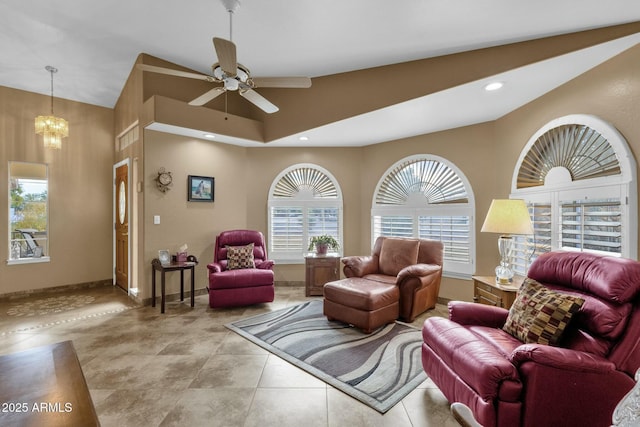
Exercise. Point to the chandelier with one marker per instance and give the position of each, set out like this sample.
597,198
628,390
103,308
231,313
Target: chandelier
52,128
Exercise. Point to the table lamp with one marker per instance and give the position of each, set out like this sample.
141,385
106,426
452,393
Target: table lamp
507,217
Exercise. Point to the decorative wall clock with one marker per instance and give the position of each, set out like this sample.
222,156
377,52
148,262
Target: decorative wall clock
163,180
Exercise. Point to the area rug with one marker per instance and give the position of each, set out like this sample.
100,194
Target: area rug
378,369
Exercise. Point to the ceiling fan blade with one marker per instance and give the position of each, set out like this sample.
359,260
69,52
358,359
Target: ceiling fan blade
226,52
284,82
170,72
258,100
208,96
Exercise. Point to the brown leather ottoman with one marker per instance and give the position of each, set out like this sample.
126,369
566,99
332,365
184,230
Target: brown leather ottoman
361,303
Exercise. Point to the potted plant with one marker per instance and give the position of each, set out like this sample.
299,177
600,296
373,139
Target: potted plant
323,243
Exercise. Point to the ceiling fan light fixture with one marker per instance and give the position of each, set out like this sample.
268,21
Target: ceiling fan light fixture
231,84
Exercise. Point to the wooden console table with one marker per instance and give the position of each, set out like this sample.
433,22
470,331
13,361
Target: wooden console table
45,386
320,269
190,264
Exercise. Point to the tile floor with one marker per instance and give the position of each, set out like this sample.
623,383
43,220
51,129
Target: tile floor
184,368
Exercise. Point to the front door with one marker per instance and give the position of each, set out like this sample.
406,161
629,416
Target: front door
122,226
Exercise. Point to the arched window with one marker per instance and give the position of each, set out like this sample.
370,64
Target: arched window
578,177
304,201
426,196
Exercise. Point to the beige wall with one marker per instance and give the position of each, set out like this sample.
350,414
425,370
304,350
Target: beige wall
193,223
485,153
80,190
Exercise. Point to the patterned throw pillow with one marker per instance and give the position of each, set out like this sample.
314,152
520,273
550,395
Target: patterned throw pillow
540,315
240,257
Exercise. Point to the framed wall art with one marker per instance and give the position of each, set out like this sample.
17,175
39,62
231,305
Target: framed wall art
200,188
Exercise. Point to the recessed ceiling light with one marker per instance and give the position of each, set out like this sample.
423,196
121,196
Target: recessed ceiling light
304,138
209,135
493,86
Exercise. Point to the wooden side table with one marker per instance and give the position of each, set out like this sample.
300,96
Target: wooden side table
172,266
320,269
487,291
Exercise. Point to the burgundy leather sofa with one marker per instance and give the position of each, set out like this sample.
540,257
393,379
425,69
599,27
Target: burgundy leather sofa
240,286
400,279
578,382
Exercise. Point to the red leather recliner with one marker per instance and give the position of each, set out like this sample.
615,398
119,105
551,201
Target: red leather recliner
243,286
577,383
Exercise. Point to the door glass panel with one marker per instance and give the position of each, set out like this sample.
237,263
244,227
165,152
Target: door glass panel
122,202
28,212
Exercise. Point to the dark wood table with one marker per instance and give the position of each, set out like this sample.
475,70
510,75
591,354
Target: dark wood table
190,264
45,387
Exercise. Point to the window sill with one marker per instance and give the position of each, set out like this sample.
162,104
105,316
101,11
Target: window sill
28,260
455,275
287,261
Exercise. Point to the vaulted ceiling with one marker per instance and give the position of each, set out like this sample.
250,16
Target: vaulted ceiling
95,44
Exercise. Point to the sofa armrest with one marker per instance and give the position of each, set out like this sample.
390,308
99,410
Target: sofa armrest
469,313
214,267
561,358
267,264
359,266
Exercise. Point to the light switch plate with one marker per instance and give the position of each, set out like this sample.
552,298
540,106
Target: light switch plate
156,219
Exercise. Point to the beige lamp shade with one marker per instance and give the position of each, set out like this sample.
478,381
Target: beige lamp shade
508,216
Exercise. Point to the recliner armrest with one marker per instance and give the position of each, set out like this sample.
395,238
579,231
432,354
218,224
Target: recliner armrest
561,358
214,267
359,266
468,313
267,264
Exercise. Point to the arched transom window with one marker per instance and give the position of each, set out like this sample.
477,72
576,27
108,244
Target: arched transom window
304,201
578,177
426,196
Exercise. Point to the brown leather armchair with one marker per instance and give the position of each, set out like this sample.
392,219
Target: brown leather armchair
401,278
418,278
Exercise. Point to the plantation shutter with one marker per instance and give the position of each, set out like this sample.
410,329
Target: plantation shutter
393,225
324,220
423,197
286,229
304,201
592,225
452,231
583,170
527,248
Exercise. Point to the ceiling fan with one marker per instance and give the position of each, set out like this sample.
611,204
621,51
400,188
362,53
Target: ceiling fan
233,75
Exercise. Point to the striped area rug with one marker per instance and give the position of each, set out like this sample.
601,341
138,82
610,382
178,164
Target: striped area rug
378,369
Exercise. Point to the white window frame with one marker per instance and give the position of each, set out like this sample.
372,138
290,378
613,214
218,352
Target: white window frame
304,200
555,191
415,208
45,257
